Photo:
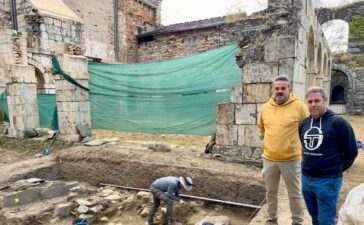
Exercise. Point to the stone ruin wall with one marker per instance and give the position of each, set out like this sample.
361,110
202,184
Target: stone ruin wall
98,27
134,16
292,44
26,58
43,36
140,16
184,43
5,15
352,62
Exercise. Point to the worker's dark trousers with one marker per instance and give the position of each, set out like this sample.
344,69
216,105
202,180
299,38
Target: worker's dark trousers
159,195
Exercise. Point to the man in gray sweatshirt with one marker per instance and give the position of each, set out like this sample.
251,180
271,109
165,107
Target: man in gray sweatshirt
167,189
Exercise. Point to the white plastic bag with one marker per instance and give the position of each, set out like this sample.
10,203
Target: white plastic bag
352,211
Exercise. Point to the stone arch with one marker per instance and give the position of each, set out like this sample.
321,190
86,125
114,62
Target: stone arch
40,73
37,64
310,60
349,87
40,81
343,12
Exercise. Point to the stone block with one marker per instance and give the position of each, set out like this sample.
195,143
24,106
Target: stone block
225,113
13,90
245,114
63,210
256,93
256,153
22,73
228,152
299,74
279,48
241,135
85,106
236,94
259,109
286,67
226,134
70,106
252,136
221,220
56,189
69,138
84,129
252,153
75,66
22,197
301,47
259,72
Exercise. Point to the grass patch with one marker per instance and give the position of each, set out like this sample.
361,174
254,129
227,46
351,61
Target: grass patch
29,146
174,139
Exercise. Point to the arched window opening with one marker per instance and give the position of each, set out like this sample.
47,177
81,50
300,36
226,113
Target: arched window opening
339,87
40,81
337,35
338,95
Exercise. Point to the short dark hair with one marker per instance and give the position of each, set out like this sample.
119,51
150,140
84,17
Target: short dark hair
316,90
282,78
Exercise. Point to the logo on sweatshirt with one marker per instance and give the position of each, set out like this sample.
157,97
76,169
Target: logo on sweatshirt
313,138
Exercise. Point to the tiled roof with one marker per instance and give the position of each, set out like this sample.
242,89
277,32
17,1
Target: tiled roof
194,25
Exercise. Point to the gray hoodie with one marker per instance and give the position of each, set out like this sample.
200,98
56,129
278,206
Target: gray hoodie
169,185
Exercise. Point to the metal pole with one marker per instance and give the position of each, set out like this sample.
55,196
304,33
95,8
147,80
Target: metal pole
189,196
116,30
14,22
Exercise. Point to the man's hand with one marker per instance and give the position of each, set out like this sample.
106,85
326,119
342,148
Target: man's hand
182,202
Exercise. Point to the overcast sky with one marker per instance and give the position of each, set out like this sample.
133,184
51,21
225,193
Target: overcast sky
179,11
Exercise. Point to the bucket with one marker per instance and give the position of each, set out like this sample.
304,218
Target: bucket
359,144
80,221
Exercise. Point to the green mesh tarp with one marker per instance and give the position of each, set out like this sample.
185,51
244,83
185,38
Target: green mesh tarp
46,109
177,96
4,107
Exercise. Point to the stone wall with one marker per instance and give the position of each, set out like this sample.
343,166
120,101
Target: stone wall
352,62
192,39
290,44
98,27
22,100
13,47
139,17
99,32
73,106
43,36
50,34
5,15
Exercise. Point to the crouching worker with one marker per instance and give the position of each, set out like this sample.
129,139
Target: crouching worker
167,189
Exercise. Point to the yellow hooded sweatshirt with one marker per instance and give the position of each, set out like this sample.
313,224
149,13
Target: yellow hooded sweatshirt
278,125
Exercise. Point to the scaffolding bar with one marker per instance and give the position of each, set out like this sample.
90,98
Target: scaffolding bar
189,196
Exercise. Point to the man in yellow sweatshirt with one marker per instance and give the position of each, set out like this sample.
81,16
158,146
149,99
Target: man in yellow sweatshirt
278,124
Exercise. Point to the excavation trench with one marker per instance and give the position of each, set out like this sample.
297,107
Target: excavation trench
115,165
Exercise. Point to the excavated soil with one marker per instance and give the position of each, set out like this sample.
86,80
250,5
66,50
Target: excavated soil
132,164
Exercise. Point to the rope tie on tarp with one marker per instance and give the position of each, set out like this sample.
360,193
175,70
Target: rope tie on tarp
58,70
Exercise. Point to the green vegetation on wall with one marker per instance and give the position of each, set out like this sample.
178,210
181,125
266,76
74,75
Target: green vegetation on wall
356,27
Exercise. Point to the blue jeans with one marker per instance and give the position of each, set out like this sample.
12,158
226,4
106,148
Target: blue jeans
321,196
